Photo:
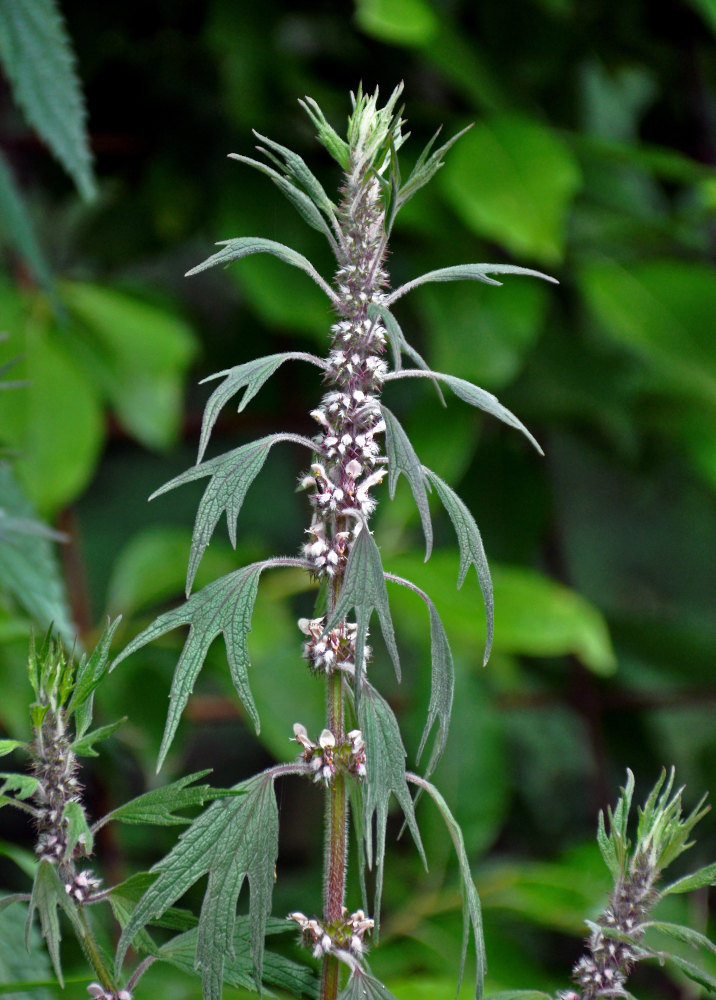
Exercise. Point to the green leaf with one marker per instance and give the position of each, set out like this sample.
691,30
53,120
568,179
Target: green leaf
696,880
412,23
472,551
48,893
123,899
26,969
512,180
250,377
385,765
78,831
84,746
57,457
364,589
469,272
426,167
137,353
7,746
302,176
246,245
471,911
442,683
25,860
398,343
233,839
231,476
225,607
37,55
304,205
693,972
28,568
680,933
327,135
90,671
402,458
656,310
473,395
362,986
159,806
22,786
17,228
519,995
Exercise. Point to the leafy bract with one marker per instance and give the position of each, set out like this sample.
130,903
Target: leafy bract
385,764
78,831
695,880
84,746
471,272
90,671
364,589
472,394
234,839
363,986
442,680
249,376
243,246
48,893
327,135
159,805
224,606
471,910
472,551
402,458
37,56
231,476
426,167
299,173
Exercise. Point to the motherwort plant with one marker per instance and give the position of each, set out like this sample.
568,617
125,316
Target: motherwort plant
358,758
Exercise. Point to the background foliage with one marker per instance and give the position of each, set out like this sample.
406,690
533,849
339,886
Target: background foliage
592,157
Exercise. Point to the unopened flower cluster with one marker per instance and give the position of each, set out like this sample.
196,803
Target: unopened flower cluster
325,757
98,992
344,940
331,650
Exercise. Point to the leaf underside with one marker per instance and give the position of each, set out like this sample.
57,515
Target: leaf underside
402,459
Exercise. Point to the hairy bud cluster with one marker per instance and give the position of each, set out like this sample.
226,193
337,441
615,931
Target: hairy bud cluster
604,970
344,938
332,650
325,757
55,767
98,992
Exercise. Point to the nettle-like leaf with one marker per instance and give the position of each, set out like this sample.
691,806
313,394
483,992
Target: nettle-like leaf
425,168
244,246
37,56
224,606
362,985
364,590
472,394
159,806
471,909
442,679
472,551
398,344
231,476
234,839
299,173
250,377
470,272
385,763
402,459
49,894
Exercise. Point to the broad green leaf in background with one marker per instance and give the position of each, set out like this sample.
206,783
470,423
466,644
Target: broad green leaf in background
137,354
397,22
232,840
656,309
38,59
56,456
512,180
300,308
17,963
385,755
28,567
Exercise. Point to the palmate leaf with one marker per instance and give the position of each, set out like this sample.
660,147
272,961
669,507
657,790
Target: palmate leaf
243,246
234,839
364,589
231,476
37,55
159,805
363,986
472,551
470,272
224,606
49,894
473,395
442,679
471,909
385,763
250,377
402,458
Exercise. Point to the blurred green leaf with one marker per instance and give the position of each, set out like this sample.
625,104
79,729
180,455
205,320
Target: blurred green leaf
37,55
512,180
17,227
138,354
19,965
398,22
